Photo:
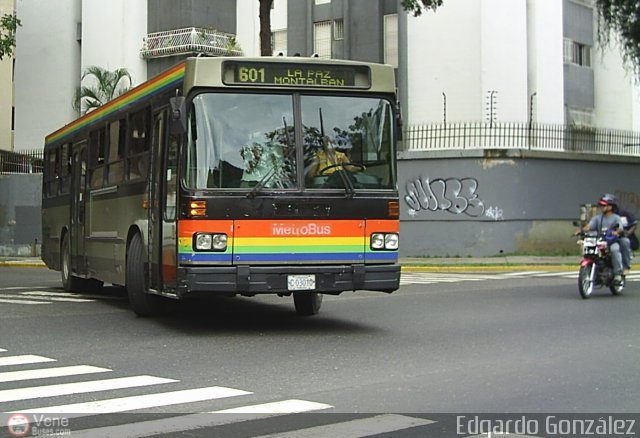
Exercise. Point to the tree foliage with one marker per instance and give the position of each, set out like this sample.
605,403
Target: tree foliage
416,6
8,25
107,86
620,19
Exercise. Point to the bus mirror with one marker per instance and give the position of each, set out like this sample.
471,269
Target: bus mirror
178,115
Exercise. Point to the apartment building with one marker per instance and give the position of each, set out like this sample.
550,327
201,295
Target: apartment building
111,35
6,89
470,61
482,60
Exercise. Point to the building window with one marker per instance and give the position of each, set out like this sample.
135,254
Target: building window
338,29
279,41
391,39
322,39
13,118
576,53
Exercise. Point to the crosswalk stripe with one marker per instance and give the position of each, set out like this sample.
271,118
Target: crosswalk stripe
23,360
281,407
2,350
359,428
42,373
70,300
185,423
23,301
68,295
557,274
80,387
523,274
138,402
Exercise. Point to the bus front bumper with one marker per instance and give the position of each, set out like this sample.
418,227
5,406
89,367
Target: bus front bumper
253,280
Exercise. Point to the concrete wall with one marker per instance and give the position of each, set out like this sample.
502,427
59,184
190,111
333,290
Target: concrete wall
462,203
20,214
47,68
484,203
112,36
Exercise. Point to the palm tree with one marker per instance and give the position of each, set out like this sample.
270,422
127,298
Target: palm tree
107,86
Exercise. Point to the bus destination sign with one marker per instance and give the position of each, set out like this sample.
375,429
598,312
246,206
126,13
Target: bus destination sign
291,75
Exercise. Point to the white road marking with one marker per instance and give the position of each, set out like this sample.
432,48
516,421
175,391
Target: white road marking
359,428
23,301
43,373
146,401
80,387
23,360
70,300
197,421
281,407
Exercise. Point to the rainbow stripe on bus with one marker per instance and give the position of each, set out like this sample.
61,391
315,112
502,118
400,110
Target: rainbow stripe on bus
288,241
171,78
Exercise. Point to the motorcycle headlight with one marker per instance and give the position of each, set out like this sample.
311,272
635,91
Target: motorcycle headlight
589,241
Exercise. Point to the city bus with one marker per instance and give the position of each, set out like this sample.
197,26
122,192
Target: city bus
230,176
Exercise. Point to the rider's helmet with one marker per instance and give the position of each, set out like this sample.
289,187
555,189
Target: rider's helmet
608,199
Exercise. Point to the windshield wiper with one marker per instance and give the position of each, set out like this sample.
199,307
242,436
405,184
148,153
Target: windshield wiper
264,180
344,177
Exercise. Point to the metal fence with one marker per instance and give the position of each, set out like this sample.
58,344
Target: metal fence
20,162
561,138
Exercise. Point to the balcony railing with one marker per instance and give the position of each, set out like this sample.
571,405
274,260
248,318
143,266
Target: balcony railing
20,162
191,40
560,138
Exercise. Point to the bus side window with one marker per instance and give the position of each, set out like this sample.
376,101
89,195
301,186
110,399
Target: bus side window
139,147
97,157
117,135
51,187
65,168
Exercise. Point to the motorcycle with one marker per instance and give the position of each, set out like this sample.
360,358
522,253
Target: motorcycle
596,268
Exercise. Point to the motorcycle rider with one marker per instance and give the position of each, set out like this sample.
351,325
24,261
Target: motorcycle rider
630,222
608,220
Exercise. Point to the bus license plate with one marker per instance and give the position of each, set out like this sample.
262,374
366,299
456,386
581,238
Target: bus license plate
301,282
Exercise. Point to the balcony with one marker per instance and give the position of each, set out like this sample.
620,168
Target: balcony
191,40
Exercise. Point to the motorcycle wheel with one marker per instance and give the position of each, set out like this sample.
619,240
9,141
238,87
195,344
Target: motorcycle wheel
585,282
616,288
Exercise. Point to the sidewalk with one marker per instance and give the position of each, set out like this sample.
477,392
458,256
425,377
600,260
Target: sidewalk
425,264
490,264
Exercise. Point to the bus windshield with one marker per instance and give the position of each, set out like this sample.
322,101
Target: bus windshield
240,141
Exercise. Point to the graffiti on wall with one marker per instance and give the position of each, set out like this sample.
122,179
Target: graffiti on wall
454,195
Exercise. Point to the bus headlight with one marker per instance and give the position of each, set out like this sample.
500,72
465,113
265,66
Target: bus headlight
210,242
384,241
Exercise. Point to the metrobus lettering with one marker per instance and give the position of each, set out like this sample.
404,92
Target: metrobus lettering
304,230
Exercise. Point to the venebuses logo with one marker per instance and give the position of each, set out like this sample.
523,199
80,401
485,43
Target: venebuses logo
301,230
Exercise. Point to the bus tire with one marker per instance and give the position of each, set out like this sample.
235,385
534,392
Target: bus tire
307,303
141,301
70,283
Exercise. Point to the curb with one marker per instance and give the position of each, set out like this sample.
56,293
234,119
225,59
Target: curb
487,268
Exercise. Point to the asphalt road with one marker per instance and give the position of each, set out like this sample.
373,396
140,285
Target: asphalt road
458,343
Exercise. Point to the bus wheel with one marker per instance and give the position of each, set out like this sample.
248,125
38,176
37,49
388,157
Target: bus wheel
307,303
142,302
70,283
